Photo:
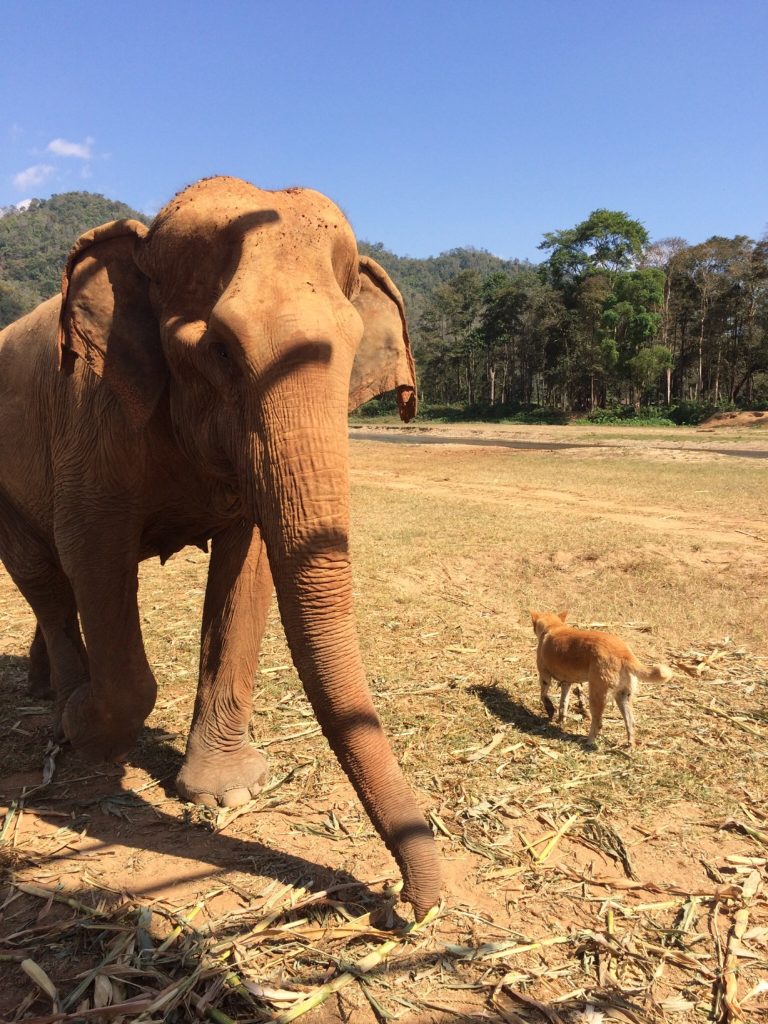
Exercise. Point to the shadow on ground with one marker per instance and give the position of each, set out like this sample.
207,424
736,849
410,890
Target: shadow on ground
90,797
511,712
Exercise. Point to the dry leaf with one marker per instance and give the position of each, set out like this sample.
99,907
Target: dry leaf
760,989
677,1004
484,751
102,991
589,1015
40,978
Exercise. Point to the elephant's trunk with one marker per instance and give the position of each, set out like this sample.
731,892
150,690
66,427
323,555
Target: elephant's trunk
304,513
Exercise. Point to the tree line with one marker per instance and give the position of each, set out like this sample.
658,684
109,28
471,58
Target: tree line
607,319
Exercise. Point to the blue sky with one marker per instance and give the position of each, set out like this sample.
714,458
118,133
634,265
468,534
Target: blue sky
433,124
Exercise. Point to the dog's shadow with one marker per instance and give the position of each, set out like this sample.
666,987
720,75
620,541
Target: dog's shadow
511,712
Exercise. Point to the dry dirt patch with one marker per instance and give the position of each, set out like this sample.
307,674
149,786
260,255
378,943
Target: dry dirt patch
587,441
573,878
736,419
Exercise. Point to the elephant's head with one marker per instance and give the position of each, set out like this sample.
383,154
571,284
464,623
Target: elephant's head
256,312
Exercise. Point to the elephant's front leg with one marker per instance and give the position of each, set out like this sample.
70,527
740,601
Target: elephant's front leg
39,667
220,765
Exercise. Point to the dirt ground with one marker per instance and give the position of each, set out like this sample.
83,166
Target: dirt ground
579,884
737,419
735,432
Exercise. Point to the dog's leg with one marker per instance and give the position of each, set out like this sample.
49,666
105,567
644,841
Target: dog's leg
624,693
549,707
565,695
583,709
597,692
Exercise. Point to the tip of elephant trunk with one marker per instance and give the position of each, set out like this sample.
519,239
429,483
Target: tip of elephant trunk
423,910
414,849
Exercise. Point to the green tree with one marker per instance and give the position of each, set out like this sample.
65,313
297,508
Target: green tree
645,369
516,317
34,244
16,299
607,240
449,332
711,277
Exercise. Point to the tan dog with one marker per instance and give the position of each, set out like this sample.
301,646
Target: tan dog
569,656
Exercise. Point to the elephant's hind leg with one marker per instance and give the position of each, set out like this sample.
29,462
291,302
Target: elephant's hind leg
58,664
220,765
104,716
40,675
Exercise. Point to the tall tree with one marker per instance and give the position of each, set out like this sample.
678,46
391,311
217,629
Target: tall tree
607,240
450,330
659,256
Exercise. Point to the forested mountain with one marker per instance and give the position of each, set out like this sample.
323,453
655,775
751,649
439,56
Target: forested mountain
607,319
34,243
417,279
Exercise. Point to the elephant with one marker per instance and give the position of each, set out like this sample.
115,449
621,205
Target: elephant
191,385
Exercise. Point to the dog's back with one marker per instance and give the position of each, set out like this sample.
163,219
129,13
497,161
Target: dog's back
603,660
572,654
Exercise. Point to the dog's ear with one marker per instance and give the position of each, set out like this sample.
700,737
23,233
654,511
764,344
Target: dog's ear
563,615
534,616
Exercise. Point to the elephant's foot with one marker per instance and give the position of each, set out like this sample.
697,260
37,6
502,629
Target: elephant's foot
221,778
95,731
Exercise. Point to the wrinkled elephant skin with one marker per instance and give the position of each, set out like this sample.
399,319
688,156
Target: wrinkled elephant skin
191,384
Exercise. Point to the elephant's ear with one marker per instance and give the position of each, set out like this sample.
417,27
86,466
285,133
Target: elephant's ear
107,319
383,359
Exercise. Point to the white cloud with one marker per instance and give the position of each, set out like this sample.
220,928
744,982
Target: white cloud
34,175
23,204
61,147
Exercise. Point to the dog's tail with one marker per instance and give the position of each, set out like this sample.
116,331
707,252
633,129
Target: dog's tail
652,674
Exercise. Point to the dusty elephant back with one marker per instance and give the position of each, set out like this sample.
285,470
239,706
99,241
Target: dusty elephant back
29,382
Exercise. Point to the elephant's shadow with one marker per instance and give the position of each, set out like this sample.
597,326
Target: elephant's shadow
12,669
92,797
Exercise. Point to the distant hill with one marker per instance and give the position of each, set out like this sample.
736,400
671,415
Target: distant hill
418,278
34,243
493,336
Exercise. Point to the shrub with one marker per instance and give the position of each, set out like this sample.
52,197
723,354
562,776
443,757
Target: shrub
648,416
691,413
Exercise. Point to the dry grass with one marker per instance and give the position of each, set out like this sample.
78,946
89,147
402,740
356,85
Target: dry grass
579,885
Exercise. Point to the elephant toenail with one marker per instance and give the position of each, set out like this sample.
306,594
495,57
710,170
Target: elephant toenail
235,797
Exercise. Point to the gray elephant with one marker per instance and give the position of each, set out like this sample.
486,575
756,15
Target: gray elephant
192,384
